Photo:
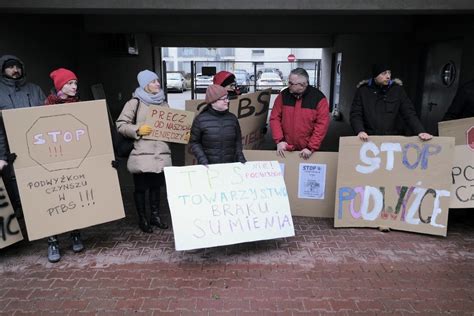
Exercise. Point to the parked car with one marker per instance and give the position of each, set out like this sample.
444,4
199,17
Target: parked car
175,82
201,83
270,80
269,70
242,78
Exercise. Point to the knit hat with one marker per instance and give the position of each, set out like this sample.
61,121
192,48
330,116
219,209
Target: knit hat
61,76
145,77
214,92
10,63
224,78
377,69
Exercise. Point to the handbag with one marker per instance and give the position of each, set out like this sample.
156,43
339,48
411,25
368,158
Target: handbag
123,146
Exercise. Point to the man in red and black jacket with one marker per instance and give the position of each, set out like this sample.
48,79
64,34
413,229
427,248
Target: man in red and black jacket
300,116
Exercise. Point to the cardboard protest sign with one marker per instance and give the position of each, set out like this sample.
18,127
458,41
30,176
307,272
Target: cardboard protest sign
462,130
63,166
392,181
169,125
295,178
10,232
462,190
251,110
226,204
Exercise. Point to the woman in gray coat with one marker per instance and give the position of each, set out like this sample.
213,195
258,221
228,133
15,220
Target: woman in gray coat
148,157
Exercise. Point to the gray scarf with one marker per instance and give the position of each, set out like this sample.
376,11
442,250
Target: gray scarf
149,97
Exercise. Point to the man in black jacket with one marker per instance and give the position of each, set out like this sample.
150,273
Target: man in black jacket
379,104
463,103
15,92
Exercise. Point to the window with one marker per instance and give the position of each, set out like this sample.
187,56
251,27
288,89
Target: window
258,52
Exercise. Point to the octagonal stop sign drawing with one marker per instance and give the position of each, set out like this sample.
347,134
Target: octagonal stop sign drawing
58,142
470,137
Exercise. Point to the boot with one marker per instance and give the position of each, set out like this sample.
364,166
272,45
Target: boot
53,249
77,245
141,210
154,206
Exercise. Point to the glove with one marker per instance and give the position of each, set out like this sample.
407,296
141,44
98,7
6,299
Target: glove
11,157
144,130
115,164
3,164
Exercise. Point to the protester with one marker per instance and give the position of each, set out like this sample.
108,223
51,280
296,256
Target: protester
379,104
148,157
227,80
65,91
15,92
463,103
300,116
215,134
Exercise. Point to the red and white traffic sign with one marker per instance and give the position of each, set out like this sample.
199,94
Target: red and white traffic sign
470,137
291,58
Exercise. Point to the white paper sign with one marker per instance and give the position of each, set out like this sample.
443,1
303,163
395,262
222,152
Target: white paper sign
227,204
312,181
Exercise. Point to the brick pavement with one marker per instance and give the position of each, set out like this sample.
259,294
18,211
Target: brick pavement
320,271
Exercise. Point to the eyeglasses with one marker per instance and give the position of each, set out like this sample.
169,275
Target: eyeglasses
300,84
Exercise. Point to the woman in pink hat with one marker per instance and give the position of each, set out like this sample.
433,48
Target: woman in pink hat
215,134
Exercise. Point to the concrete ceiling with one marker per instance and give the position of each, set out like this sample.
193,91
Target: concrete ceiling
256,7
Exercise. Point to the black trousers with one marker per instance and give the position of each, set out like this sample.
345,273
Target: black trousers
8,176
148,180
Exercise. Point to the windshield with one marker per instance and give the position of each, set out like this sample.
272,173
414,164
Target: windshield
174,75
269,75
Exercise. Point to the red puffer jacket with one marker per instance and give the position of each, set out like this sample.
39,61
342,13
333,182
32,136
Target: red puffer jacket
303,122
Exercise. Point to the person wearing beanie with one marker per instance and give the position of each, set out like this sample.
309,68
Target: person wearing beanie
227,80
15,92
381,107
215,134
299,120
65,84
148,157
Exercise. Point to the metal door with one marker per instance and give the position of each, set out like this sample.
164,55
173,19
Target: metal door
443,64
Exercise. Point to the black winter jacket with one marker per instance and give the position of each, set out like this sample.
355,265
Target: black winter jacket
16,94
216,137
383,110
463,103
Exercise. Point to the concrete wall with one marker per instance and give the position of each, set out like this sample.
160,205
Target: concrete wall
467,70
49,42
42,44
115,70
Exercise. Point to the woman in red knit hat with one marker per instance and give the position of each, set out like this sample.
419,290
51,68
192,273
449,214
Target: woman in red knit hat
65,84
227,80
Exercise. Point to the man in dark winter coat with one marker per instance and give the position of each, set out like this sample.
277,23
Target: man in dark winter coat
15,92
463,103
215,133
300,116
378,106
